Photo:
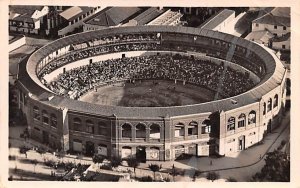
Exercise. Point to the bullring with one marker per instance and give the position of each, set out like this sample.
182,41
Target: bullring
222,126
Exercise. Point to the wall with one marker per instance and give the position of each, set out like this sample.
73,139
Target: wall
279,31
18,43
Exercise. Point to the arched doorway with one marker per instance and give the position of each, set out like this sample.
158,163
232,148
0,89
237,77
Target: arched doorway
141,154
89,148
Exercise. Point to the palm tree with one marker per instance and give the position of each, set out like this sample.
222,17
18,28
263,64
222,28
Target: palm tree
154,168
134,163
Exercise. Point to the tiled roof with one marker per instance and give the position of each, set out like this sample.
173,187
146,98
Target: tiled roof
147,16
273,20
257,35
274,75
112,16
25,19
22,9
282,11
282,38
216,20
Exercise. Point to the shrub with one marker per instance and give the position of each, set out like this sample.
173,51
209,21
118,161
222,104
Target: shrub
146,179
231,179
106,167
212,176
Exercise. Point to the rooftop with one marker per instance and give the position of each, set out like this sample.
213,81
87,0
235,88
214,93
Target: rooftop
112,16
147,16
74,12
257,35
274,19
216,20
282,38
22,9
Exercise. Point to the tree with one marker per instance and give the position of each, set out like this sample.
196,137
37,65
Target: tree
34,162
24,150
212,176
134,163
115,161
41,150
276,169
98,158
154,168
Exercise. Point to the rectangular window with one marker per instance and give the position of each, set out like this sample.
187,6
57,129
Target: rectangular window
102,130
257,25
53,122
241,123
283,46
45,119
275,26
90,129
284,28
36,115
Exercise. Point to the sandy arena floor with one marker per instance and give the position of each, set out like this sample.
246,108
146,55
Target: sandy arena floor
149,93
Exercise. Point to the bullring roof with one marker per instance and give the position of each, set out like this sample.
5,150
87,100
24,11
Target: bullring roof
274,75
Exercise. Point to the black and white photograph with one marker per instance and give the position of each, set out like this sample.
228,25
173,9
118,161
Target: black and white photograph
162,93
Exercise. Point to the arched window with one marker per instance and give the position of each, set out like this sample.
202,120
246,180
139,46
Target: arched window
193,128
269,104
231,124
36,113
265,107
53,120
89,126
252,117
242,120
206,127
102,129
77,124
275,101
179,130
45,117
126,130
140,131
155,131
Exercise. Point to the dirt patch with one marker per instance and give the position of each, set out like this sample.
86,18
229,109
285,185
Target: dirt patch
149,93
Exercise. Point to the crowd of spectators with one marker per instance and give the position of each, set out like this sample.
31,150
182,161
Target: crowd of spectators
120,43
188,69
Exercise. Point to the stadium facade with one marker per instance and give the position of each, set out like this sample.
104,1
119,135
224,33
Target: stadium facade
219,127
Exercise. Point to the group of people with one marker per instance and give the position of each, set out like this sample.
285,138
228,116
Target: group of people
187,69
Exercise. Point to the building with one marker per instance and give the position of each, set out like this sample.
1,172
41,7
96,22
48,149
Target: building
223,21
169,17
261,37
73,18
281,43
110,17
27,19
145,17
277,21
154,133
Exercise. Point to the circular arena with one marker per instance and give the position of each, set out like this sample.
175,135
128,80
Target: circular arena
154,92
